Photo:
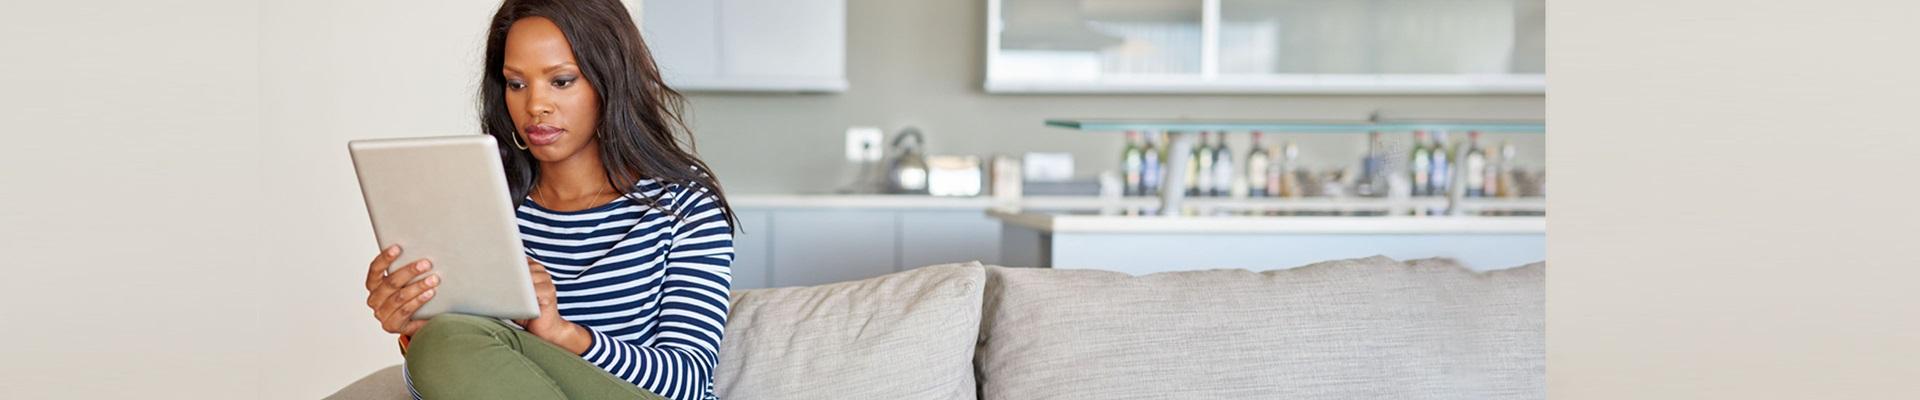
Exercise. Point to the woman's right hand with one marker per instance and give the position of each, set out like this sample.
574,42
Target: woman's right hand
395,296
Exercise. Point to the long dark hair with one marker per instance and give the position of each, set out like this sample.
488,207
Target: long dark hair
640,117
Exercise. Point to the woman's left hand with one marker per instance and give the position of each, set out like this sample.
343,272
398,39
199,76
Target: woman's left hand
549,325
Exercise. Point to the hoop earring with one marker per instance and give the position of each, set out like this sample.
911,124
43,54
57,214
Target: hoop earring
516,140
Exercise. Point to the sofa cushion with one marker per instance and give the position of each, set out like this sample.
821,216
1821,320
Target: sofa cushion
1363,328
385,384
906,335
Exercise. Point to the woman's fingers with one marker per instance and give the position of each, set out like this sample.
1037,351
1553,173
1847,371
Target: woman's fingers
378,267
401,314
394,297
543,291
414,290
406,309
399,297
404,275
377,288
400,278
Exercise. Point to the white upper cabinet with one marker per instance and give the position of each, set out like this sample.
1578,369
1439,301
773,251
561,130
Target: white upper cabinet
748,45
1266,46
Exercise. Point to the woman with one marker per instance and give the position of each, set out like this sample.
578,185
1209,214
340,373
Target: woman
629,236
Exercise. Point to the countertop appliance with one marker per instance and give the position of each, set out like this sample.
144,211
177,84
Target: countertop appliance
907,165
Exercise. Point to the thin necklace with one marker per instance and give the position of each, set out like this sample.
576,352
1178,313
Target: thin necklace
591,201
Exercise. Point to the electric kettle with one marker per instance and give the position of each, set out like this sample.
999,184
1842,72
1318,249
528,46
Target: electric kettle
907,167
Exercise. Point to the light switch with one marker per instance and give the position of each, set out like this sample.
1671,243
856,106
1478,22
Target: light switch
863,144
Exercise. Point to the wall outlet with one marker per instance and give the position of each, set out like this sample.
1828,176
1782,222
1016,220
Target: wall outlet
863,144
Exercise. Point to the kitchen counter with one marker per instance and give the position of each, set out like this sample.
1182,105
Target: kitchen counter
1092,223
782,241
886,201
1148,244
1057,203
909,201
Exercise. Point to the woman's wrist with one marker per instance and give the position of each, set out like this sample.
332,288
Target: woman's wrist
583,339
572,337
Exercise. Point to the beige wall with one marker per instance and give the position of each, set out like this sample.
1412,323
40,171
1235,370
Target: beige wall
129,190
332,71
1765,248
180,217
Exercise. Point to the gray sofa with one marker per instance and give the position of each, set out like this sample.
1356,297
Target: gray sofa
1368,328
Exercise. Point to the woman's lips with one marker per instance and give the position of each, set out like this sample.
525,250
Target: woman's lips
541,135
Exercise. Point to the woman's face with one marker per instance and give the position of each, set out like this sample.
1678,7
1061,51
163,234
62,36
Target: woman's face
554,107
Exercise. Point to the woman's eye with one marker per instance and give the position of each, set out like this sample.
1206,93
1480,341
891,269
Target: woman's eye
516,85
563,82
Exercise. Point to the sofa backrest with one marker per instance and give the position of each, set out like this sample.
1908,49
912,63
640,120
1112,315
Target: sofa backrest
1363,328
906,335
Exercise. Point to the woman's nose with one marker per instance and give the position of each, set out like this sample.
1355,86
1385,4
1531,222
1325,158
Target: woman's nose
538,102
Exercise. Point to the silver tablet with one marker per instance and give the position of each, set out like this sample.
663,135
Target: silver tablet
445,199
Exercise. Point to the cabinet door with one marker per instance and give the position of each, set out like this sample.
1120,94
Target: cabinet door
823,246
684,38
752,251
748,45
784,38
942,237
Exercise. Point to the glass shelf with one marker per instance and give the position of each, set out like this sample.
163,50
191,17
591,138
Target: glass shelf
1177,125
1384,122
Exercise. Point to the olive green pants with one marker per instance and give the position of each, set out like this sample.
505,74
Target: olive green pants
467,357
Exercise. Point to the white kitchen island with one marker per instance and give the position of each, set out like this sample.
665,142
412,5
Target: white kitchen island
1142,244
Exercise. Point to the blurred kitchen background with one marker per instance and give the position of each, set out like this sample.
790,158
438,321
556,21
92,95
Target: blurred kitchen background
217,131
893,64
861,137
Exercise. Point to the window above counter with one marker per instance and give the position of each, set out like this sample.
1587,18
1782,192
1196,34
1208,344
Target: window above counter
1266,46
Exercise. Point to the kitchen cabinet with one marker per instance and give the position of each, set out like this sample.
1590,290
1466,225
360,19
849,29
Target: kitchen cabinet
752,266
812,247
944,237
1266,46
794,240
748,45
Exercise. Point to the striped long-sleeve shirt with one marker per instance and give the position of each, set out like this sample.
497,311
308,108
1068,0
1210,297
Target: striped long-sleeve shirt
651,284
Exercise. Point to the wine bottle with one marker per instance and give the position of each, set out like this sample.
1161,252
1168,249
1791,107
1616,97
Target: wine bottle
1288,183
1421,164
1476,166
1200,167
1372,180
1503,176
1132,164
1152,166
1441,181
1257,168
1222,167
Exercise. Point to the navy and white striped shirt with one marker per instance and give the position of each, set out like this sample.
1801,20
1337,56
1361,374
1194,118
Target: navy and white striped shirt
651,284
